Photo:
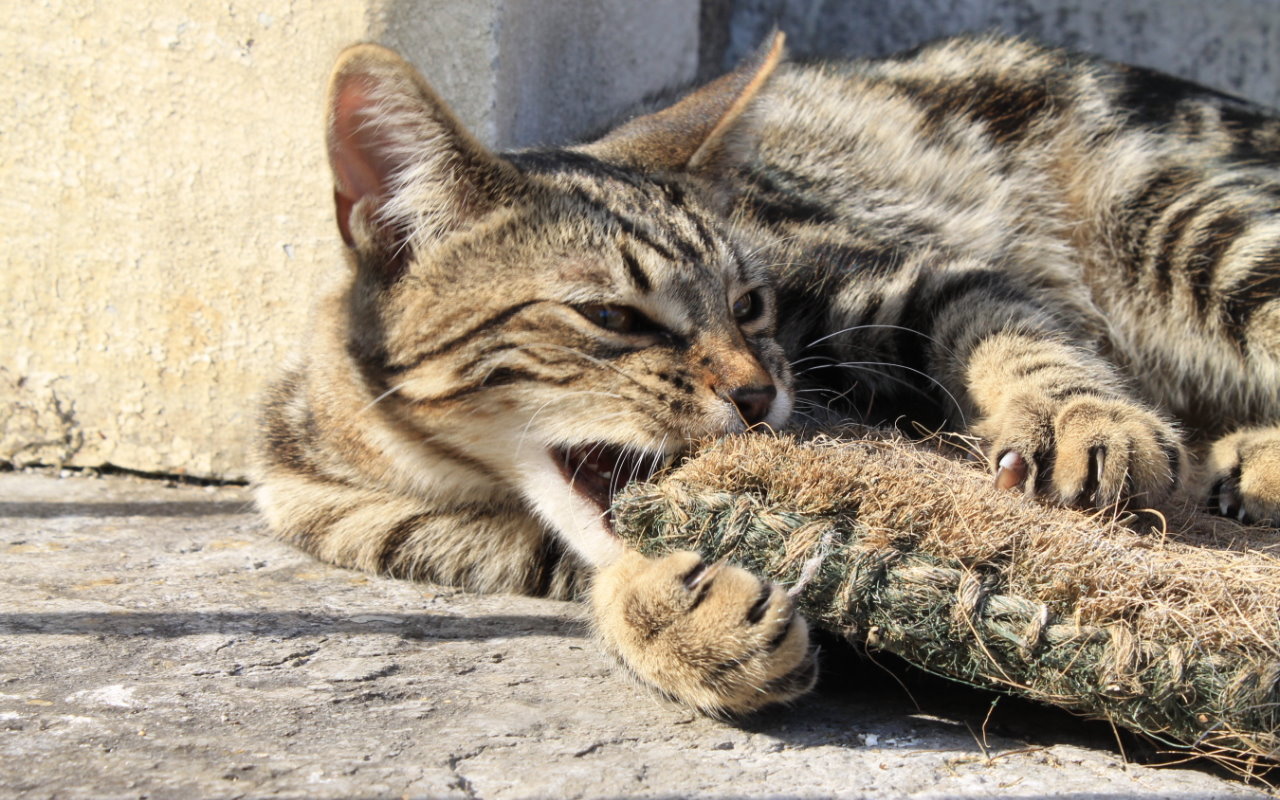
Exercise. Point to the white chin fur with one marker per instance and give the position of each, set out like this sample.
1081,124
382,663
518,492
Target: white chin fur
578,520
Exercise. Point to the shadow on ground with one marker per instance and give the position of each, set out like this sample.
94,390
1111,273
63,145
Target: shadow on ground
904,696
168,625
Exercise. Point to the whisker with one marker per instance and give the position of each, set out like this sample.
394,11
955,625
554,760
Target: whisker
636,461
582,462
868,366
839,396
383,396
660,455
809,358
871,325
524,431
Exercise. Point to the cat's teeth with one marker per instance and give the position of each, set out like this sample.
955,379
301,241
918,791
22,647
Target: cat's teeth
606,474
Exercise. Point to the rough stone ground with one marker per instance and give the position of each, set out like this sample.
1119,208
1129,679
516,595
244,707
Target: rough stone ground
154,643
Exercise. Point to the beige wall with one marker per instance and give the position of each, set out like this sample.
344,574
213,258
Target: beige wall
167,208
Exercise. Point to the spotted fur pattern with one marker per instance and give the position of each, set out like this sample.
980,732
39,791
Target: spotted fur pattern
1077,262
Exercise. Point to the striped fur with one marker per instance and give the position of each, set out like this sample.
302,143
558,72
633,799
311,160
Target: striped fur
1077,262
1064,256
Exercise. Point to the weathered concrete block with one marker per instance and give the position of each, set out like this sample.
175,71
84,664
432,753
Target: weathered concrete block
168,203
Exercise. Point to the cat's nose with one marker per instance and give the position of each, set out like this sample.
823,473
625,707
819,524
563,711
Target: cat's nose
753,402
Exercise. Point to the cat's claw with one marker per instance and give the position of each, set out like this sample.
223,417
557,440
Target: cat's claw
1011,471
1091,452
1243,475
1224,498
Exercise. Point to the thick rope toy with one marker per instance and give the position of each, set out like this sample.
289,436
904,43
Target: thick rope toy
902,549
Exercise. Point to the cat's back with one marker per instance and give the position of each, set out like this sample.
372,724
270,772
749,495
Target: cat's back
1144,208
1007,93
954,148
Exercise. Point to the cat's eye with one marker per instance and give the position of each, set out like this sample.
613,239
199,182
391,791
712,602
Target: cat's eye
748,306
618,319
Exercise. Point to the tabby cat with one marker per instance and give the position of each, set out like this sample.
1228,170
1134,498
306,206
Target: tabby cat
1077,262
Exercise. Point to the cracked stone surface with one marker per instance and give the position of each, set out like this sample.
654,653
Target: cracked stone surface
154,643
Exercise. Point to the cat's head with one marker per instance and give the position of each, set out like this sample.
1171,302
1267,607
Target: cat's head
569,319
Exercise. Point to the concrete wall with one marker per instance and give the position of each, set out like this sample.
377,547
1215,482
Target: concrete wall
168,208
167,205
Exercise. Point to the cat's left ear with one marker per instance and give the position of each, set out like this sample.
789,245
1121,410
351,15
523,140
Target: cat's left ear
406,172
694,133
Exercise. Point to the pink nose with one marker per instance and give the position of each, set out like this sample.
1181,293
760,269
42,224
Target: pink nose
753,402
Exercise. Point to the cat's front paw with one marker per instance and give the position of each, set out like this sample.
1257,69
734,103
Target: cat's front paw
1242,476
1085,452
712,636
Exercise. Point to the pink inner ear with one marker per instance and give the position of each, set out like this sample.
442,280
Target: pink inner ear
342,209
359,149
350,145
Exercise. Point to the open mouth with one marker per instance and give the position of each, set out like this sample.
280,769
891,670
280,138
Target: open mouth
598,471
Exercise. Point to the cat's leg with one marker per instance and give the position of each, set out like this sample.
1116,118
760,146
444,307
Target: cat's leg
715,638
1056,419
712,636
324,485
482,546
1054,415
1240,476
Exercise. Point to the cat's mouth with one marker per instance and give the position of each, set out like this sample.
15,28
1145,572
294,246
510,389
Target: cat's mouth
598,471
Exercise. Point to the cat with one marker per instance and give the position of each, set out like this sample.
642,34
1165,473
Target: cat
1077,262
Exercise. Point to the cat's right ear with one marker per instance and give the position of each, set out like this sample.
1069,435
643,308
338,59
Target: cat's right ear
702,129
406,173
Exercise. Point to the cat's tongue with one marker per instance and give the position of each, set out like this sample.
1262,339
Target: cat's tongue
599,470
